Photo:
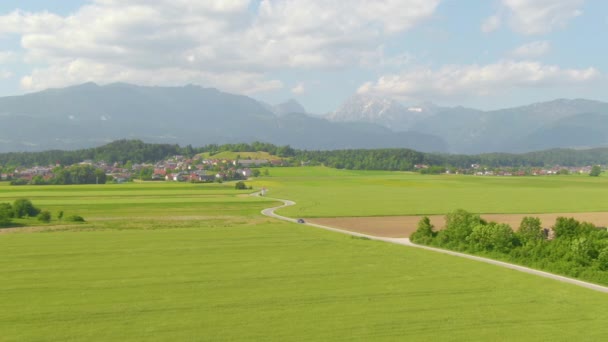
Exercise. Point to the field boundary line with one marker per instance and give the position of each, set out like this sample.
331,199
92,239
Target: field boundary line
270,212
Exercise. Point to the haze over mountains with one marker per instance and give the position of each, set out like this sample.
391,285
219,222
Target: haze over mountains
90,115
560,123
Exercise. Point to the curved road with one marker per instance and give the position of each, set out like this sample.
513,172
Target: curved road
270,212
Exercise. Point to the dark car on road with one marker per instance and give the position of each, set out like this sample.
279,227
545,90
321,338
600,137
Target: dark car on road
300,220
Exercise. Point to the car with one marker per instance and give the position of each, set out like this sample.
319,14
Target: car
301,221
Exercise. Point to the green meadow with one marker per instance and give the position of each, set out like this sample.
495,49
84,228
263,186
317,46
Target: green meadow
169,261
324,192
240,155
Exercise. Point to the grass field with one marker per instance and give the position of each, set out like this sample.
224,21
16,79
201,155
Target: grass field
152,200
324,192
167,261
240,155
272,281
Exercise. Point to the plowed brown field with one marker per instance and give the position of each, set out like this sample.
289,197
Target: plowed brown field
403,226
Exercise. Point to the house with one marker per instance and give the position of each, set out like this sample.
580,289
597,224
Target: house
160,172
244,172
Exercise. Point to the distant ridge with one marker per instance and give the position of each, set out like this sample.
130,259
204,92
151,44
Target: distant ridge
89,114
577,123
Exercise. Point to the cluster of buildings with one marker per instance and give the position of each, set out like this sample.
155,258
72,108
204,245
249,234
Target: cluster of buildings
532,171
478,170
176,168
46,172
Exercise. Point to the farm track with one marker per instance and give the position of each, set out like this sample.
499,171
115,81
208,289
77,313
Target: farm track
270,212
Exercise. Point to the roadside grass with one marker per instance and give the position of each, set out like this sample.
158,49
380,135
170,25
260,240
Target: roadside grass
324,192
272,281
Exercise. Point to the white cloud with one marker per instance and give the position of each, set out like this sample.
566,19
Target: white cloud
7,56
205,42
5,74
532,17
491,24
532,50
79,71
298,89
476,80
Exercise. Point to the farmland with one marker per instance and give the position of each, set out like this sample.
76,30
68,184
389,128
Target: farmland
324,192
159,261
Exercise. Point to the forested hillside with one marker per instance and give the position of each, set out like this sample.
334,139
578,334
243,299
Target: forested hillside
137,151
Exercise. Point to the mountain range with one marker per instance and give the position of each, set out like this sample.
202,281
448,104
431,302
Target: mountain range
90,115
560,123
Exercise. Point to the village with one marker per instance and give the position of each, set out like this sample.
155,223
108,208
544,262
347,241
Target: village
479,170
177,168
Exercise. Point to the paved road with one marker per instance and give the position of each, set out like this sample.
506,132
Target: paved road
270,212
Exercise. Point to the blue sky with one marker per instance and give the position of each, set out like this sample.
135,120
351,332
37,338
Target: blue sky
480,53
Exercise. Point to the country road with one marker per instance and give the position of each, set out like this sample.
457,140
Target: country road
270,212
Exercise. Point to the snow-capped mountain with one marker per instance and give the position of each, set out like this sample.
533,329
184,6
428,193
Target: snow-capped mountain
383,111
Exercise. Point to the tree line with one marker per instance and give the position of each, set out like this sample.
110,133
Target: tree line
403,159
572,248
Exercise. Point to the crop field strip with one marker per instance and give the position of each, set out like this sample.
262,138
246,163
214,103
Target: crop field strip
404,226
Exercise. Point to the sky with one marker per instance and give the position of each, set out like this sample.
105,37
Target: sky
485,54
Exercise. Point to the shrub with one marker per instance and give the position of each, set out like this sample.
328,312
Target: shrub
74,218
19,181
6,213
7,208
44,216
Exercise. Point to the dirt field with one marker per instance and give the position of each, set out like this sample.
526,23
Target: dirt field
403,226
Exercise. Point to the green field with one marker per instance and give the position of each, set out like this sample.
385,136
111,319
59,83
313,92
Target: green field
324,192
151,200
240,155
168,261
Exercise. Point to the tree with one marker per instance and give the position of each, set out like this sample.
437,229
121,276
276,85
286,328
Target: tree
146,173
38,180
459,225
491,237
240,185
255,173
100,176
60,215
24,207
566,227
595,171
424,234
530,230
